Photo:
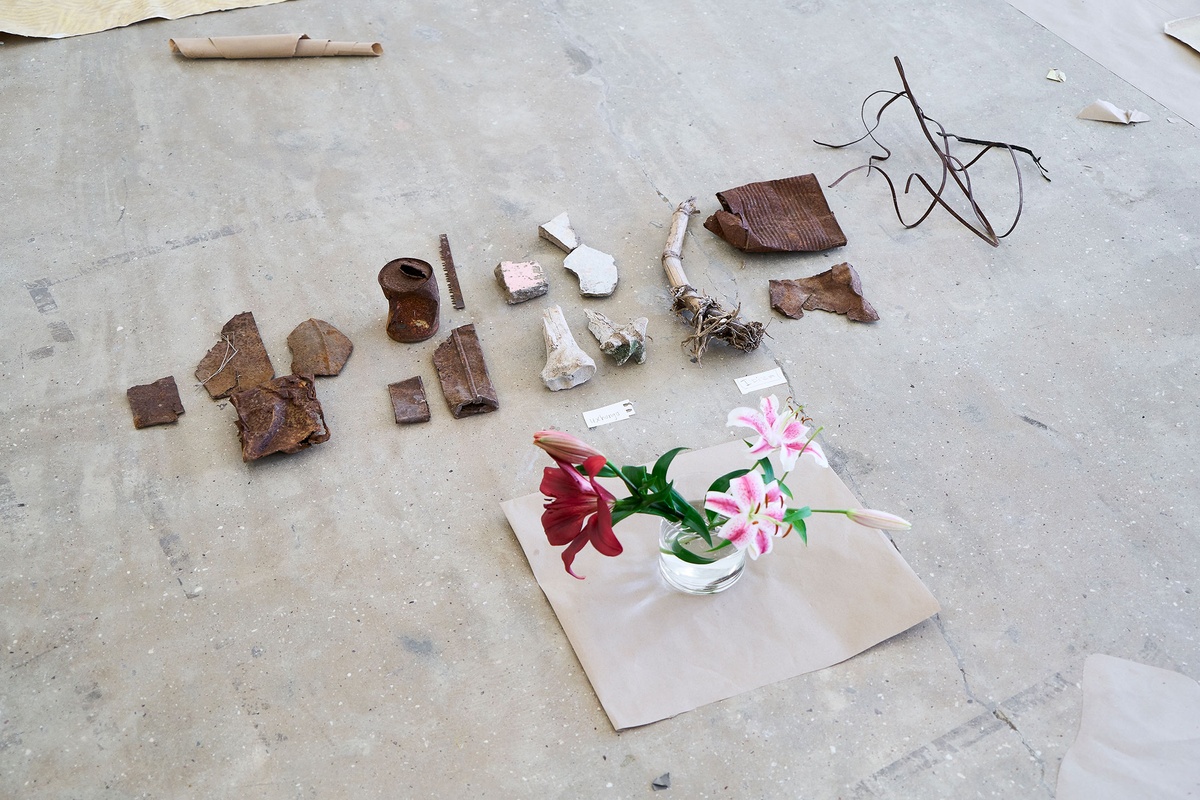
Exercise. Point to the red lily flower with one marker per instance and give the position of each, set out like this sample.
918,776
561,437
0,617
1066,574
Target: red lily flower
579,510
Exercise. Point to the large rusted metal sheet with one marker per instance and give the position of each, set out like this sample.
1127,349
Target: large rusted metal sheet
239,361
280,416
463,374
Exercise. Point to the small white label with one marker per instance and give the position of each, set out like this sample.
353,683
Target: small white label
752,383
613,413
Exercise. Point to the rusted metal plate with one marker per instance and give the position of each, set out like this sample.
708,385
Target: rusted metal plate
413,302
239,361
838,289
155,403
787,215
280,416
318,348
408,401
463,374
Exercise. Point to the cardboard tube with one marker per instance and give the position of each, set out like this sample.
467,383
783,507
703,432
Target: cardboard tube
284,45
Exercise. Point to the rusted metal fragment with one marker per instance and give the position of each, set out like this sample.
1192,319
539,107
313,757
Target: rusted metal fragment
239,361
280,416
155,403
413,301
318,348
781,216
456,295
463,374
838,289
408,401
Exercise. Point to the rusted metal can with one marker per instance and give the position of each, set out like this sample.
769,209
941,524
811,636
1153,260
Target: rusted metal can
412,294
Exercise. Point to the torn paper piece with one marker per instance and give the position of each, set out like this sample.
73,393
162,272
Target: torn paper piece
1139,735
280,416
283,45
318,348
1186,30
1056,75
155,403
838,289
610,413
1104,111
238,361
782,216
64,18
559,232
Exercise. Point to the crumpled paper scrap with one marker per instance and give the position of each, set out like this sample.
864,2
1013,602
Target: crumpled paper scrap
1104,111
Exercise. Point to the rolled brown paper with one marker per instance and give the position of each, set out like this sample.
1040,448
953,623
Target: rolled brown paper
283,45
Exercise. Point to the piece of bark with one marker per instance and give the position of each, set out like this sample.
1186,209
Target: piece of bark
781,216
408,401
318,348
280,416
155,403
239,361
463,374
838,289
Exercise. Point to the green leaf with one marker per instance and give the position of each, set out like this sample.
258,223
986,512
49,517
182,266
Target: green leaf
664,462
721,484
767,470
683,554
635,475
801,529
794,515
605,472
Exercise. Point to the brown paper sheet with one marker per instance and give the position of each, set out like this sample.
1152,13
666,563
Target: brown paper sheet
283,45
1139,736
652,653
64,18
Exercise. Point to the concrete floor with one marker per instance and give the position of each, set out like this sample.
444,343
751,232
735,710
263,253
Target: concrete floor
358,620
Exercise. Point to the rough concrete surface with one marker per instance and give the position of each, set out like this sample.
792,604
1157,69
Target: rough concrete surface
357,619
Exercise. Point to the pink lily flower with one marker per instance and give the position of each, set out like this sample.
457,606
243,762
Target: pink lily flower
755,513
783,432
578,511
564,447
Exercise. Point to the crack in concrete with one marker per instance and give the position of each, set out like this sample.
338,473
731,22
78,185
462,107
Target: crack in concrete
993,708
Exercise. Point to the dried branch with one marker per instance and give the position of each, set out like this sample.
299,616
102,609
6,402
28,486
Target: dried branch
708,318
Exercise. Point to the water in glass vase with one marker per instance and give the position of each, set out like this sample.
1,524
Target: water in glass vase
715,576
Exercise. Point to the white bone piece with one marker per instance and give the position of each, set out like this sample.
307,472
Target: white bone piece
567,365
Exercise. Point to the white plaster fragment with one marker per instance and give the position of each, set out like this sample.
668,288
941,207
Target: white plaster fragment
597,272
559,232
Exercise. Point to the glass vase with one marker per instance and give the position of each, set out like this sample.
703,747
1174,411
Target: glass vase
722,570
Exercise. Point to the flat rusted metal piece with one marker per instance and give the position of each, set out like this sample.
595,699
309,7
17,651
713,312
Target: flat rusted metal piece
463,374
413,302
238,361
280,416
155,403
451,275
838,289
781,216
408,401
318,348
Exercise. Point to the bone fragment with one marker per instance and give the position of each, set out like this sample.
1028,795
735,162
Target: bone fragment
623,343
567,365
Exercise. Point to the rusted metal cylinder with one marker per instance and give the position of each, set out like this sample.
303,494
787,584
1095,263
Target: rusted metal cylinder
412,294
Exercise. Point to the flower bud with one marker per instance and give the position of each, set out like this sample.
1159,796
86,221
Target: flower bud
565,447
880,520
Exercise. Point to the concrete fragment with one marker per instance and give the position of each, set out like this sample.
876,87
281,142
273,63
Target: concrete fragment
623,343
521,280
597,272
559,232
567,365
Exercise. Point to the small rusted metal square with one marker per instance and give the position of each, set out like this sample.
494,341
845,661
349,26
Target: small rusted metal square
408,401
155,403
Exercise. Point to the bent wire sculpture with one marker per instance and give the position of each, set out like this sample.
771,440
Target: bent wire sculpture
953,167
